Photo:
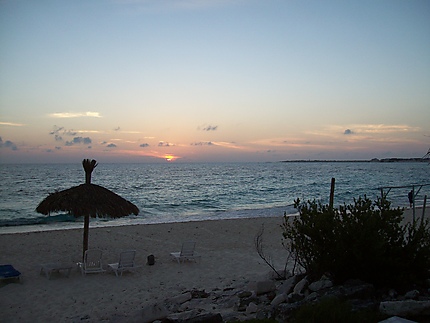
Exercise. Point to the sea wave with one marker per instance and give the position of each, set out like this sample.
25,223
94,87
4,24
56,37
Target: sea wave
188,192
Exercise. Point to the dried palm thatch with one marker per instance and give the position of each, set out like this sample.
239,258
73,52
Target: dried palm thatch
87,200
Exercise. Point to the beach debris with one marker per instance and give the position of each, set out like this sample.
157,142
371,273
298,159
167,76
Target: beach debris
151,260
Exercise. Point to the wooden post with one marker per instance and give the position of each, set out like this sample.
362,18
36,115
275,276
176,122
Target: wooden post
86,233
88,167
413,202
424,205
332,193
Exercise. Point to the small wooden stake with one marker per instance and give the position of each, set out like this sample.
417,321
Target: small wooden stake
332,193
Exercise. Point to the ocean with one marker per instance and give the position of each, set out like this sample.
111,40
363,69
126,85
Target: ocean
179,192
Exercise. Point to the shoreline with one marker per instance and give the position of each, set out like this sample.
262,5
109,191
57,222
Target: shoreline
120,222
272,211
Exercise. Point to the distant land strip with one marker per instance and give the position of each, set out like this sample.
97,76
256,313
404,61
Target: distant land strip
374,160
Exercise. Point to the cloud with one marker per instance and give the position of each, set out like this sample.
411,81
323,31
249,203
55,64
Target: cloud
383,128
360,129
144,145
61,130
111,146
231,145
79,140
210,128
8,144
11,124
75,114
164,144
202,143
56,130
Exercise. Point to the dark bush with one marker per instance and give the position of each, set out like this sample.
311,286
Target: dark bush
363,240
333,310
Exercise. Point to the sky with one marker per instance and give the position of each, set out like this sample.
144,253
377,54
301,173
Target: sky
213,80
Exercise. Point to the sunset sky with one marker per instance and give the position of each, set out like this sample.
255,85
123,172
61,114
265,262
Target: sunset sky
213,80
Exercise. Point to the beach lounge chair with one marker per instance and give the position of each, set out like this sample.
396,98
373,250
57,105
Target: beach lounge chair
49,268
187,252
126,262
8,272
92,262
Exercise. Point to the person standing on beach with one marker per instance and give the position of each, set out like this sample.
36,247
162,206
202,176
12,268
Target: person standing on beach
411,198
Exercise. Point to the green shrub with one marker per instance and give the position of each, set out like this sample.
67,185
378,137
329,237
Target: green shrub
362,240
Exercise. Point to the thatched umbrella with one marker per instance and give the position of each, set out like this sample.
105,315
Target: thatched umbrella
87,200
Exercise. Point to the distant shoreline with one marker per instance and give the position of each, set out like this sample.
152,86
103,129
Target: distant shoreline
374,160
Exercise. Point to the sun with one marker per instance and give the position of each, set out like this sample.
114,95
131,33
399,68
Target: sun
170,158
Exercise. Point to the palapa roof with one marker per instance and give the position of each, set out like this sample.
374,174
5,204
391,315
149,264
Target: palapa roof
87,200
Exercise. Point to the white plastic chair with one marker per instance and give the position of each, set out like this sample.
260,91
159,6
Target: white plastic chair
126,262
187,252
92,262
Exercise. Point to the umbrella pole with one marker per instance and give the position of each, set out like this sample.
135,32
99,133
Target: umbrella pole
88,167
86,230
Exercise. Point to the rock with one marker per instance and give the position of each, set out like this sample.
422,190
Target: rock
199,293
153,312
301,286
262,287
206,318
405,308
413,294
244,294
312,297
278,299
182,316
180,299
271,295
288,285
353,289
392,293
396,319
244,302
323,283
251,308
360,291
294,298
262,314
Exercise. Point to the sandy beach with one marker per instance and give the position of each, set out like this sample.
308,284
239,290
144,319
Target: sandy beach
229,259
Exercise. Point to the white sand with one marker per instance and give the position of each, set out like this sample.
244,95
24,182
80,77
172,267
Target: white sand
229,259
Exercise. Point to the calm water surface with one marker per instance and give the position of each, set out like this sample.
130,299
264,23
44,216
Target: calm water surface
176,192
